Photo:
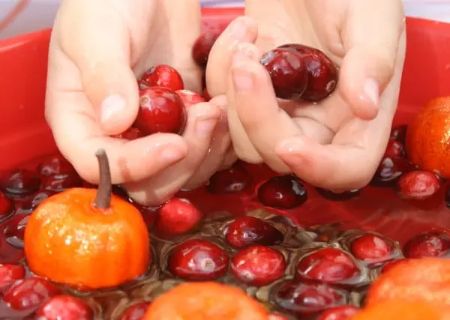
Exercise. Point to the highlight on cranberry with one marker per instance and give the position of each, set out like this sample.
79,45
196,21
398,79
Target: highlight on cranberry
283,192
418,185
161,76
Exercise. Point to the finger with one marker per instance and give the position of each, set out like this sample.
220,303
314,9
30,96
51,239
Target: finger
202,120
242,29
371,36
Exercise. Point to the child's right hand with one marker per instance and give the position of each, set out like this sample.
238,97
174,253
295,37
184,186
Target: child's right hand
96,51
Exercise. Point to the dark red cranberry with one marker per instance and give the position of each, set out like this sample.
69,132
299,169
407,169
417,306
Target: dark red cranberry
28,204
9,273
390,170
339,313
395,149
322,72
203,45
343,196
61,182
20,182
161,110
55,165
306,298
177,217
282,192
447,197
65,307
131,133
418,185
327,265
247,230
430,244
15,230
399,133
162,76
287,71
6,205
29,293
190,98
135,311
258,265
371,248
234,179
198,260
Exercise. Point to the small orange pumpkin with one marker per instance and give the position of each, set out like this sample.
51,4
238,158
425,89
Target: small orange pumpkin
88,238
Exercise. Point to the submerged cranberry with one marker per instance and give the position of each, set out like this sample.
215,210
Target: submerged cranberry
189,97
198,260
65,307
15,230
418,185
327,265
61,182
305,298
135,311
20,182
9,273
234,179
55,165
161,110
395,149
28,204
177,217
283,192
343,196
29,293
430,244
371,248
162,76
258,265
339,313
6,205
389,170
287,71
399,133
247,230
203,45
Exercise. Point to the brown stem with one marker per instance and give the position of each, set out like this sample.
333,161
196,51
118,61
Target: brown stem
103,198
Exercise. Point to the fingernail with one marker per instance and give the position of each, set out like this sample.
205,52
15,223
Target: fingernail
111,106
205,127
172,154
243,80
371,91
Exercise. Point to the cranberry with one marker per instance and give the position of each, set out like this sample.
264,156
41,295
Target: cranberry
339,313
61,182
65,307
430,244
135,311
283,192
190,98
395,149
447,197
177,217
28,204
55,165
258,265
418,185
371,248
161,76
14,231
399,133
6,205
287,71
20,182
390,170
327,265
203,45
343,196
247,230
305,298
131,133
232,180
29,293
198,260
322,72
9,273
161,110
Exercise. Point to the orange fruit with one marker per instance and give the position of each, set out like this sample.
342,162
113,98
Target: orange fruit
428,137
426,279
404,310
205,301
87,238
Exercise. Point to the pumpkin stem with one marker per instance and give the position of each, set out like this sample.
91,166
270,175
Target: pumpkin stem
103,198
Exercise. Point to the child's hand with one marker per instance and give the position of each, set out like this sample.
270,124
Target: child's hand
97,49
337,143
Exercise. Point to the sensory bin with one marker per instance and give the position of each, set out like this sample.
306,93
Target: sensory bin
297,249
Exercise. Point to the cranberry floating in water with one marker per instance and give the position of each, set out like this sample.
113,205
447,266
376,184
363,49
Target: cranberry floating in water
15,229
55,165
189,97
177,217
395,149
232,180
372,248
306,298
389,170
282,192
29,293
247,230
329,265
198,260
339,313
287,71
161,110
258,265
9,273
28,204
418,185
6,205
135,311
61,182
203,45
162,76
65,307
430,244
20,182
